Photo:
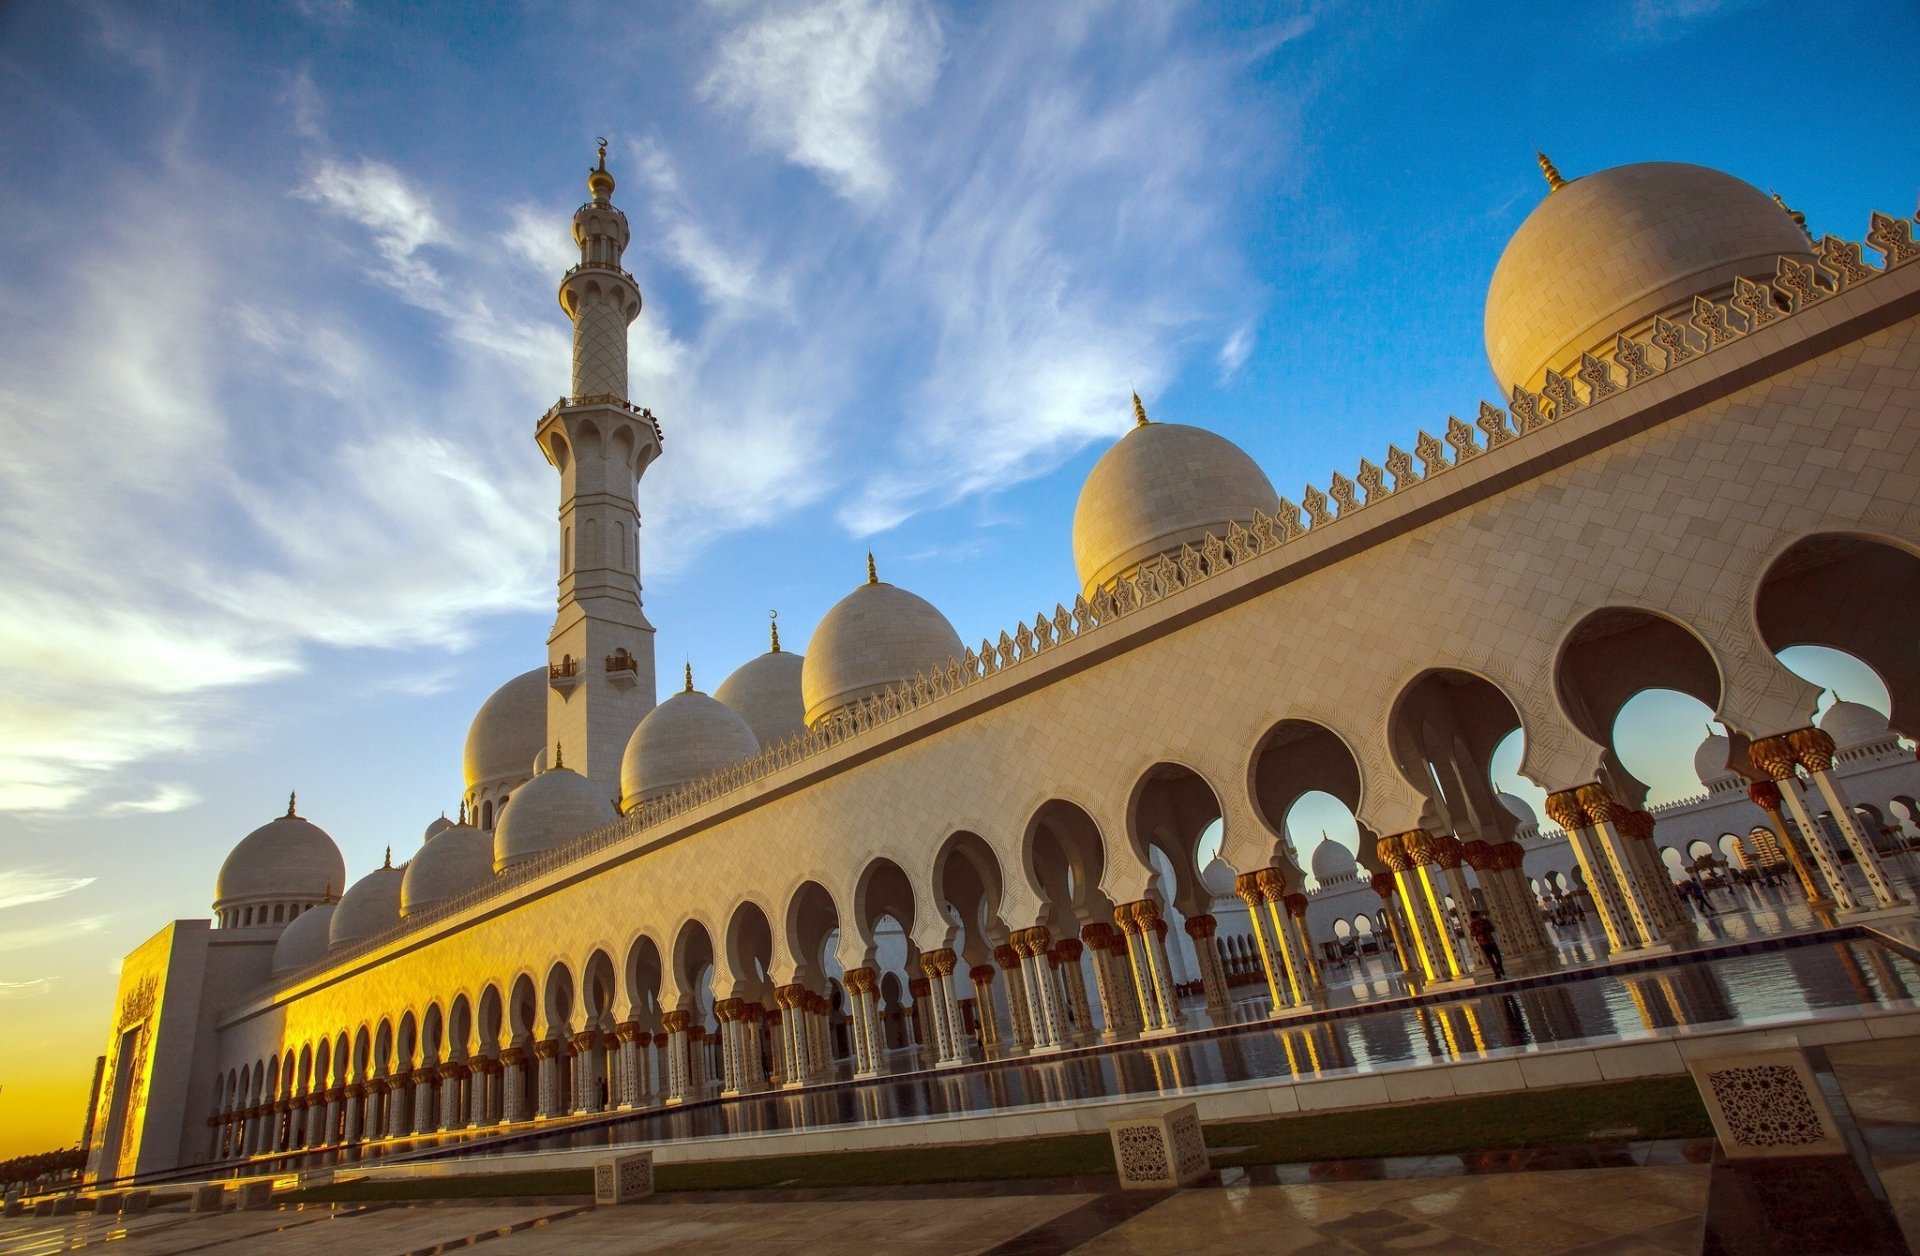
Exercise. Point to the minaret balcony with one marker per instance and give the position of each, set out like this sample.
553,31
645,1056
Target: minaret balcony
613,400
564,675
623,670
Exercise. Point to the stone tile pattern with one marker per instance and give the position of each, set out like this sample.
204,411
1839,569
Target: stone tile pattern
1766,1103
623,1179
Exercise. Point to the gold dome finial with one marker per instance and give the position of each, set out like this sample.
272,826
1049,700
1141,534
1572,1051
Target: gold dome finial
773,618
599,182
1547,168
463,812
1799,219
1139,412
689,688
290,804
388,861
559,759
873,573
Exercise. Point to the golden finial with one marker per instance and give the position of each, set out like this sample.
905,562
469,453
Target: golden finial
559,761
388,861
1139,412
773,618
289,804
689,688
599,181
1547,168
1799,219
463,811
873,573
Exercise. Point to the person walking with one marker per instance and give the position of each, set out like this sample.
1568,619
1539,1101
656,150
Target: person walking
1481,930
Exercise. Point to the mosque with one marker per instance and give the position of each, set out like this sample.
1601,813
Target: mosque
900,851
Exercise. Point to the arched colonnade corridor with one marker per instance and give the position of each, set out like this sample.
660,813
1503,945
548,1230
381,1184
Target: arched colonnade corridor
828,983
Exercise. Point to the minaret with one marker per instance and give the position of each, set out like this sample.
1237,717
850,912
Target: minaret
600,654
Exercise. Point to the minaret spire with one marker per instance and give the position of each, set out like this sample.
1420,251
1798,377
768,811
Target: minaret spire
601,444
689,688
873,573
773,618
290,800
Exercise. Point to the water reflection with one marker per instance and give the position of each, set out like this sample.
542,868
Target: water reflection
1770,986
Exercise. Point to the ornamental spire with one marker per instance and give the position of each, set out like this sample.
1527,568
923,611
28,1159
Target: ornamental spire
689,688
873,573
1552,172
1139,412
559,761
773,620
1799,219
290,799
463,812
388,861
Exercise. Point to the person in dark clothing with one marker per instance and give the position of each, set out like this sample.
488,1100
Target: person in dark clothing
1480,929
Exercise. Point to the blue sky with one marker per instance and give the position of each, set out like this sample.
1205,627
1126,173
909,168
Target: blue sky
277,318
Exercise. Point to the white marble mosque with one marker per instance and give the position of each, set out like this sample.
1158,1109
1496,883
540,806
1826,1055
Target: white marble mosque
898,851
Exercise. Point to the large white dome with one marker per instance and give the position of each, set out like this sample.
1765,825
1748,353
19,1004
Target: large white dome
1520,809
1605,253
304,941
1710,760
550,810
1853,724
1333,862
688,736
508,731
765,692
286,860
875,637
454,860
1161,486
370,907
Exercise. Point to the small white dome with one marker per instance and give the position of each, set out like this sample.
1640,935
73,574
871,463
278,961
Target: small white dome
1607,252
875,637
287,859
765,692
550,810
508,731
304,941
1853,724
440,824
370,907
1710,760
1217,876
683,739
1520,810
1332,862
456,859
1161,486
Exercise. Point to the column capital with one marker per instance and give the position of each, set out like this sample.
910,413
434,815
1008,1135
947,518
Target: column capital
1813,748
1296,904
1637,824
1006,956
1419,846
1246,888
453,1071
919,987
627,1031
1098,934
1068,950
677,1022
1765,795
1382,883
513,1055
1479,855
1774,756
1446,850
586,1040
547,1049
1564,809
861,980
1202,926
981,974
1598,803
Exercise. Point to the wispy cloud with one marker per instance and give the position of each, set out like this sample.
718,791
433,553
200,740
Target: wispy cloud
26,989
20,886
164,798
1663,20
56,934
821,82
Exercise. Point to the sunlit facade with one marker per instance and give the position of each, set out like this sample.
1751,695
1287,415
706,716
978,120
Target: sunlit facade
897,850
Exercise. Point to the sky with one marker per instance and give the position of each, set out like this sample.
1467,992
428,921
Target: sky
277,319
